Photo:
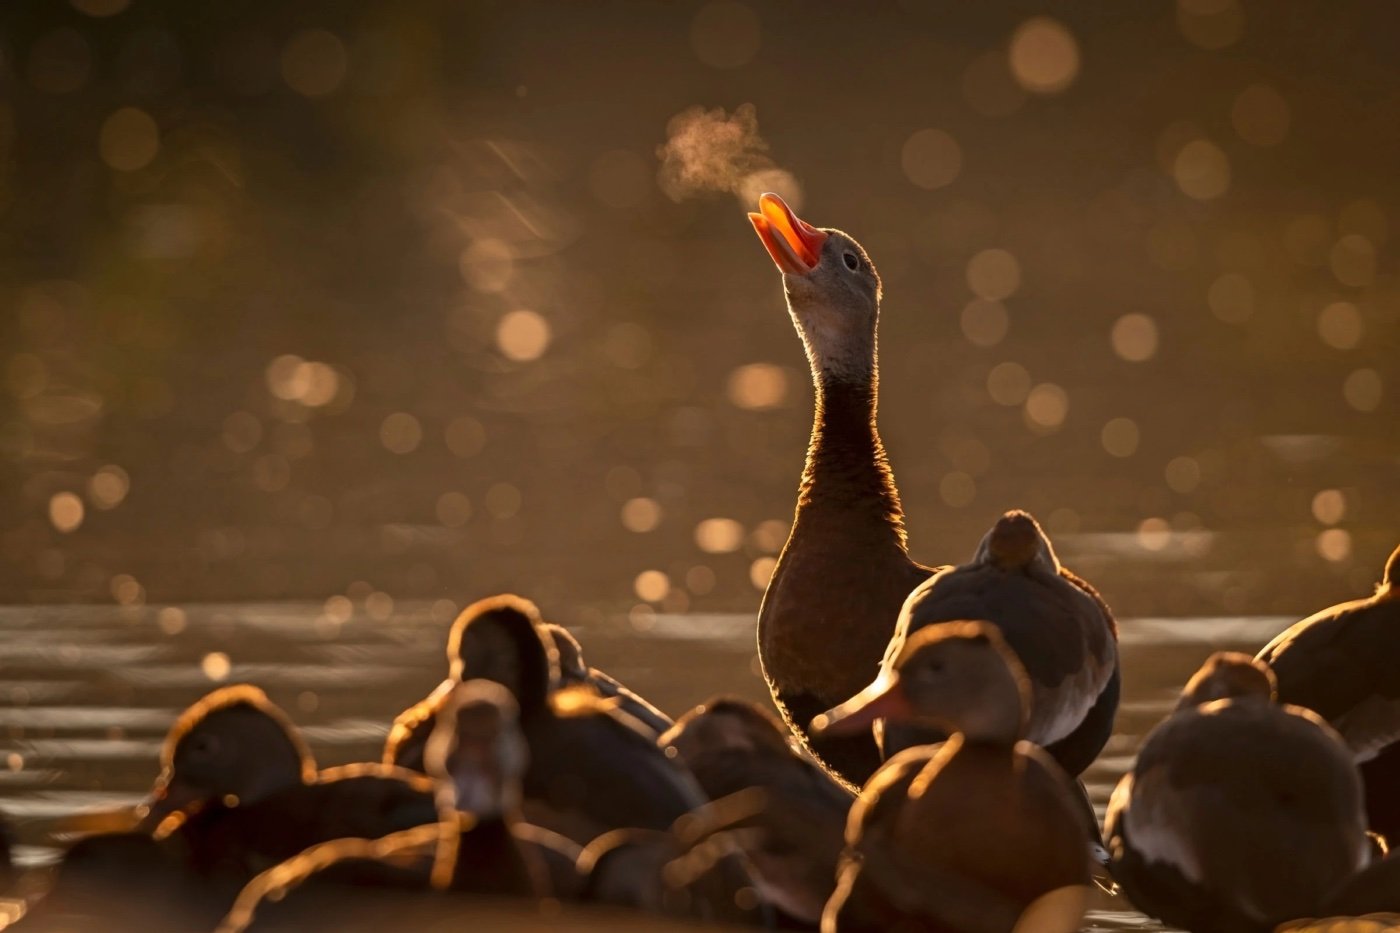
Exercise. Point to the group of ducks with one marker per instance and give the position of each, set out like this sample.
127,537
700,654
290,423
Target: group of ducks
941,796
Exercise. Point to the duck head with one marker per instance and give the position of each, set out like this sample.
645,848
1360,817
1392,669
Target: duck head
503,639
1229,675
476,752
833,290
953,676
725,723
232,743
1017,543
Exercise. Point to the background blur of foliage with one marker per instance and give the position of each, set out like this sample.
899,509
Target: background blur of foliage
301,299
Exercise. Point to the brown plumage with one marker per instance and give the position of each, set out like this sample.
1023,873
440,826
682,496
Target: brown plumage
1344,664
795,834
1239,814
980,833
830,607
592,766
1061,630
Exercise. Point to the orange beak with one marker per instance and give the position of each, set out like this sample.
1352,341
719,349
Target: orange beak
794,244
884,699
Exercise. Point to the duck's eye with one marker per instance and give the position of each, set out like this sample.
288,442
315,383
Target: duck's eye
851,261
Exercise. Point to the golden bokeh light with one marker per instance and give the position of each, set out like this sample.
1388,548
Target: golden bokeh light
1120,437
314,62
1329,506
989,87
700,580
1340,325
338,609
1353,260
1201,170
1008,383
109,486
1154,534
993,274
641,514
725,34
216,666
1134,337
984,323
1047,406
757,386
761,572
65,512
503,500
1261,116
719,535
770,535
651,585
465,436
127,590
522,335
1183,474
1363,389
1231,298
453,509
379,606
129,140
931,158
957,489
272,473
171,620
1334,544
400,433
487,265
1044,55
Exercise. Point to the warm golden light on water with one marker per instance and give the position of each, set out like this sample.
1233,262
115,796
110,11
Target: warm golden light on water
993,274
1008,383
641,514
523,335
1329,506
719,535
1134,337
314,62
931,158
757,386
1201,170
651,585
1044,55
984,323
129,140
1120,437
65,512
1047,406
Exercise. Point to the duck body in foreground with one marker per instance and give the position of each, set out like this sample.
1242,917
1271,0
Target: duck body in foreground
1239,814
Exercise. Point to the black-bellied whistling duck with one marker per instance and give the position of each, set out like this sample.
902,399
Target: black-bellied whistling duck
592,767
1239,814
1373,890
477,756
1344,664
831,604
1059,627
574,670
231,743
797,829
980,833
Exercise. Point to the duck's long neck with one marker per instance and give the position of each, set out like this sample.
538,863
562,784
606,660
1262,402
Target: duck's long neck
847,480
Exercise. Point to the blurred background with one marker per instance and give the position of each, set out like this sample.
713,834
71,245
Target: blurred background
366,302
